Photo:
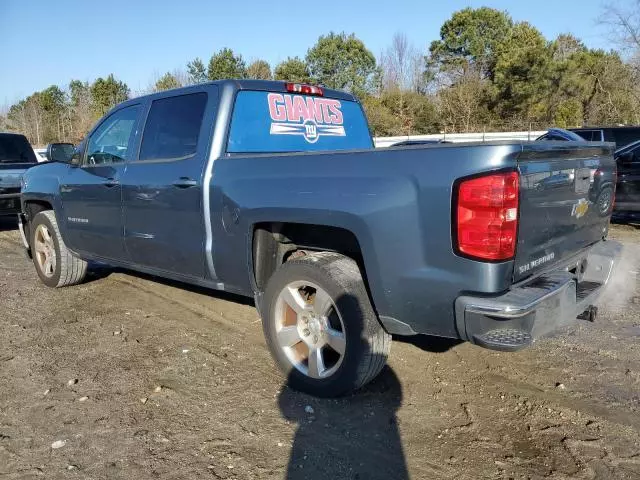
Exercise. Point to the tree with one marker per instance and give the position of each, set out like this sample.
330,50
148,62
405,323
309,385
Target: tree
381,120
609,91
293,70
416,113
468,40
402,65
81,108
53,103
196,71
464,105
225,64
260,70
342,62
166,82
624,26
522,69
106,93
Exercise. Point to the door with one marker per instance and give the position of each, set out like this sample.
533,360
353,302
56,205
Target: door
91,193
628,185
162,189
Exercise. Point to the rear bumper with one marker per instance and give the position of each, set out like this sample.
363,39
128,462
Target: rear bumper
517,318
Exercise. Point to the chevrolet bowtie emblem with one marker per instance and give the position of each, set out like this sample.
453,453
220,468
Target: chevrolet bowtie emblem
580,208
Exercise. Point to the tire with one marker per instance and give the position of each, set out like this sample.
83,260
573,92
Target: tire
337,315
65,269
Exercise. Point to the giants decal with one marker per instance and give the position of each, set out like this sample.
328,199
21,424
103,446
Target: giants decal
311,117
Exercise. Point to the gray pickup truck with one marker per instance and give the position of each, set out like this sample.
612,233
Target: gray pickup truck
273,190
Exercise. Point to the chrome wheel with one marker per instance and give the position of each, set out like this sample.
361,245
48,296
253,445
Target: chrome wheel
604,202
309,329
45,251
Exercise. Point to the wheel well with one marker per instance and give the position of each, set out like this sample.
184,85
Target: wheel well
34,207
274,243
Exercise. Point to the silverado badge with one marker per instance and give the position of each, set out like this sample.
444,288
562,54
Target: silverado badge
580,208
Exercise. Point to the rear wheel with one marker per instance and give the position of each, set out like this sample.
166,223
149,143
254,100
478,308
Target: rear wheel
55,264
320,325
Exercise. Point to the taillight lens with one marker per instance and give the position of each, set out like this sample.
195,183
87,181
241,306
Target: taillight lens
305,89
487,216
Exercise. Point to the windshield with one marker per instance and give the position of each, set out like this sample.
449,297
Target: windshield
268,122
16,149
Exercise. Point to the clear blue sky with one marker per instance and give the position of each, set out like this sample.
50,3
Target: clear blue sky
45,42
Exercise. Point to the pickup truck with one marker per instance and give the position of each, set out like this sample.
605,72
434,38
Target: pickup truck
16,157
273,190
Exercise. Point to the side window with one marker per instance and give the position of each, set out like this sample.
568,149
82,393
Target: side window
625,137
173,127
111,141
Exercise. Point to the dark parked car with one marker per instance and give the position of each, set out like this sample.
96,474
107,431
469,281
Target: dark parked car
627,205
621,136
16,156
555,134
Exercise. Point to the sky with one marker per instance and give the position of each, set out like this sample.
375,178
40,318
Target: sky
50,42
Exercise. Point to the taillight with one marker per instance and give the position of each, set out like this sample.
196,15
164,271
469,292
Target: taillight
305,89
487,216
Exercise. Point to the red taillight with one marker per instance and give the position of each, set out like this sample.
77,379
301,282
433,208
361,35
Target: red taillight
305,89
487,216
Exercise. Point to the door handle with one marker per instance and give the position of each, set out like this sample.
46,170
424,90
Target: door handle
111,182
185,182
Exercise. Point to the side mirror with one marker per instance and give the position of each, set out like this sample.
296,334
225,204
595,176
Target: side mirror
60,152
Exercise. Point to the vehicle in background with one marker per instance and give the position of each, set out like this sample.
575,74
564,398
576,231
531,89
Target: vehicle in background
16,157
408,143
41,154
560,134
621,136
627,204
273,190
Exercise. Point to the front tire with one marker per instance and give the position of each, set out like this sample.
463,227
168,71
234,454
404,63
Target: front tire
320,325
55,264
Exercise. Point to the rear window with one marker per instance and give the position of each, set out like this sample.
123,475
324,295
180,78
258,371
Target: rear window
269,122
16,149
590,135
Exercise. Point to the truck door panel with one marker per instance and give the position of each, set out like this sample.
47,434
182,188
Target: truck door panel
91,193
162,189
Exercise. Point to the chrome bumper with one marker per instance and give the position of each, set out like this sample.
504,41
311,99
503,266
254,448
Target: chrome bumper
21,223
517,318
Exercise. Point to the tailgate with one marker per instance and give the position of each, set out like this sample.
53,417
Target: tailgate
566,193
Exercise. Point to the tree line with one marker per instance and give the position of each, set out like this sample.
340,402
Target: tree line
485,72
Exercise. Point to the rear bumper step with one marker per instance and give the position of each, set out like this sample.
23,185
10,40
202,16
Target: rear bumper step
517,318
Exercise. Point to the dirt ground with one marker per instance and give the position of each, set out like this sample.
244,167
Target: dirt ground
127,377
